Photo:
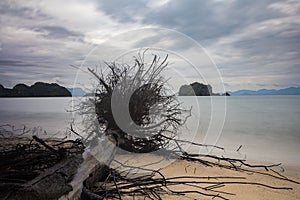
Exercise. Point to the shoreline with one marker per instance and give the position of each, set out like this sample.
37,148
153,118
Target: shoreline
196,172
233,187
238,191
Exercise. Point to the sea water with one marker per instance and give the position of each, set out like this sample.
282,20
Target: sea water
267,127
47,116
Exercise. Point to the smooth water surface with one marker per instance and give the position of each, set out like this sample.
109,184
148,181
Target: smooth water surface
268,127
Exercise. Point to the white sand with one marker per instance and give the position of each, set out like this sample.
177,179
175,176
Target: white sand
240,191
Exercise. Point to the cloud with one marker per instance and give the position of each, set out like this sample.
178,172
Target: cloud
16,10
204,20
123,10
58,32
245,38
253,42
16,63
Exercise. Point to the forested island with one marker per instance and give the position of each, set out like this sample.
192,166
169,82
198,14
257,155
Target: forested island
39,89
198,89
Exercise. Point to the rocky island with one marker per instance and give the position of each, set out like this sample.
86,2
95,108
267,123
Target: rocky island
198,89
39,89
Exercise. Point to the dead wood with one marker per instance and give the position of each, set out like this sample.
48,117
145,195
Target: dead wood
152,184
154,119
38,168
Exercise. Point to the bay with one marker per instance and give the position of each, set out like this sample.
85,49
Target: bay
267,127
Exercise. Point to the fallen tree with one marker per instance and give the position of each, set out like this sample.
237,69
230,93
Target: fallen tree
132,111
37,168
134,107
150,125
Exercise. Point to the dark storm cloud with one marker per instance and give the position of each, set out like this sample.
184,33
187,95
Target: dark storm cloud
252,41
58,32
198,19
14,63
207,21
272,46
189,18
14,9
35,45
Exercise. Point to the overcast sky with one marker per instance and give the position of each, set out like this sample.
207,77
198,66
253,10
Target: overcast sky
254,43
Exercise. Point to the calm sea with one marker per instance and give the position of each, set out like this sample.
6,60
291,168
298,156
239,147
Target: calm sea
267,127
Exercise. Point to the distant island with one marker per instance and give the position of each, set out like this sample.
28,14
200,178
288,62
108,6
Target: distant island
198,89
285,91
39,89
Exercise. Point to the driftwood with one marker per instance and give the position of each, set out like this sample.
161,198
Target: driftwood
44,169
38,168
87,176
124,182
51,184
92,169
134,108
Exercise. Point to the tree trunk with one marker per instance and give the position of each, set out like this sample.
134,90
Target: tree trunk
51,184
68,178
93,168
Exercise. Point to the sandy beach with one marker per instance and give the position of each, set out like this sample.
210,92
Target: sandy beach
234,184
241,189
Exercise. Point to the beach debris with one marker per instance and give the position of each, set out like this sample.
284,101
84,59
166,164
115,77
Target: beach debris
37,168
87,168
238,149
138,89
124,182
134,106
